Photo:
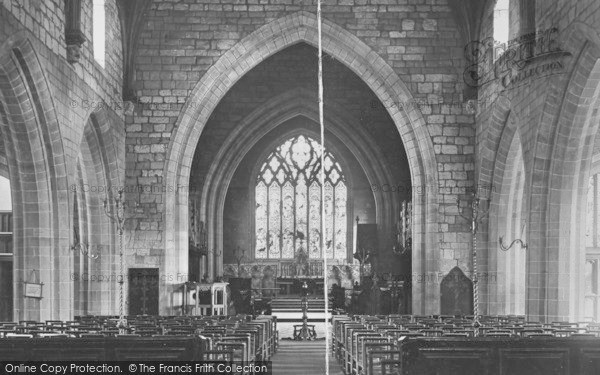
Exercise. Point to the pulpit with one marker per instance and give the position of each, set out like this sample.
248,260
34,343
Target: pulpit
205,298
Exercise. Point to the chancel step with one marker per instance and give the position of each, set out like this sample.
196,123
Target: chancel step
295,304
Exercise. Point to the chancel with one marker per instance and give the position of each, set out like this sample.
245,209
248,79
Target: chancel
356,186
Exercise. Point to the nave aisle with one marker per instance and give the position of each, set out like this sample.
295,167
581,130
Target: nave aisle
303,358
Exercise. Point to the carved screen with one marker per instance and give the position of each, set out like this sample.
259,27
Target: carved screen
288,203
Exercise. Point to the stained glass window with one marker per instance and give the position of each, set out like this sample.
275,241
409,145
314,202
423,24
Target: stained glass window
288,203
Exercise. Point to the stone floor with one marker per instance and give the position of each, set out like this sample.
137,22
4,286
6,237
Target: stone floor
303,358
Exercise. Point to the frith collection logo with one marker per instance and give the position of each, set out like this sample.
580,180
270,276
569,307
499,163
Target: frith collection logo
516,62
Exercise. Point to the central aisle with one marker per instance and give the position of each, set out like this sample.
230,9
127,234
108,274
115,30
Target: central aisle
303,358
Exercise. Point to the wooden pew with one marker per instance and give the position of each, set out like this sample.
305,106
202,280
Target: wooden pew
500,356
513,346
151,333
155,348
103,349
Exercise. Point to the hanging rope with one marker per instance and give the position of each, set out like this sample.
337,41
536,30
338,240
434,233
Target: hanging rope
322,178
475,280
477,215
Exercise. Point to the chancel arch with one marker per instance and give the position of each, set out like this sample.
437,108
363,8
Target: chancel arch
392,179
367,65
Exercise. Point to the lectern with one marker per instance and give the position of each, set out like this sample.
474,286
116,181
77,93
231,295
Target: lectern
205,298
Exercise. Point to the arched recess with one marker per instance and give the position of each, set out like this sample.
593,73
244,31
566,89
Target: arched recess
95,179
373,70
495,141
264,119
35,157
506,270
562,163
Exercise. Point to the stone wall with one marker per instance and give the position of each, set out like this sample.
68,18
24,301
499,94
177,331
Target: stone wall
34,65
418,40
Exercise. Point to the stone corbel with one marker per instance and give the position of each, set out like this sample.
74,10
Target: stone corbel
74,37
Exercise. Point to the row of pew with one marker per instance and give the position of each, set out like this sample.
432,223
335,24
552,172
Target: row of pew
240,339
404,344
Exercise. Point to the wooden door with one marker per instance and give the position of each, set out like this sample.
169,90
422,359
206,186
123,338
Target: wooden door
143,291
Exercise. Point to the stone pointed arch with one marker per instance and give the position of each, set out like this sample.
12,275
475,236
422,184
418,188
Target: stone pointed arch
496,139
561,164
36,160
502,288
364,62
95,177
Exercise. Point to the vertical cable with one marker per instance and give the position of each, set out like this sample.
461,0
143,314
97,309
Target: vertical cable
322,178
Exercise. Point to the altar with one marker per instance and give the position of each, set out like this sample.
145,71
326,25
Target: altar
281,277
293,286
309,270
